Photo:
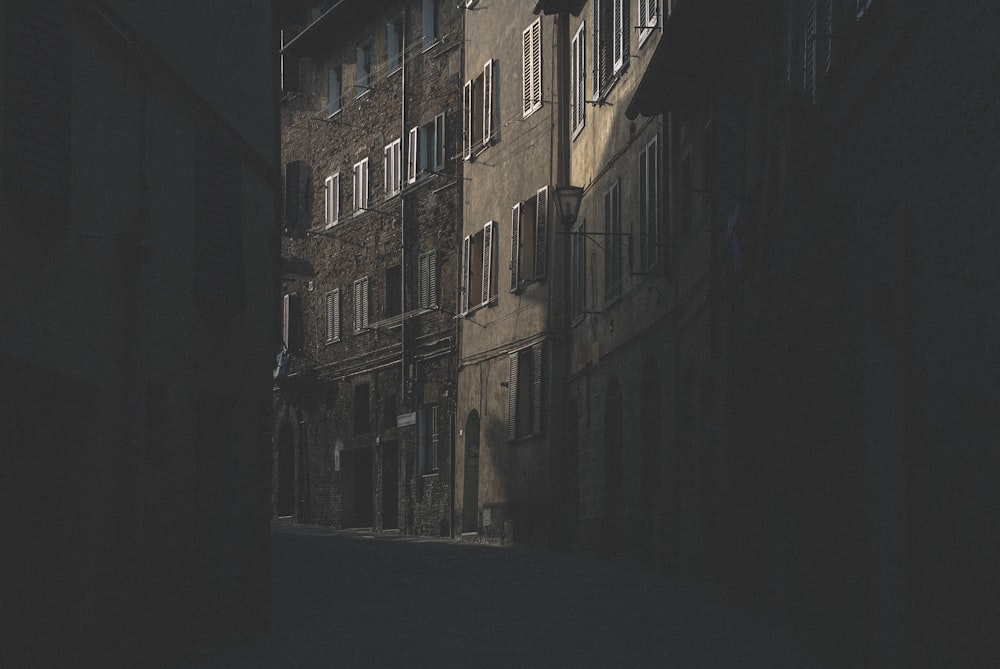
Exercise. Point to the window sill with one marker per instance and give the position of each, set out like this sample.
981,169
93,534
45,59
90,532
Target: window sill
433,474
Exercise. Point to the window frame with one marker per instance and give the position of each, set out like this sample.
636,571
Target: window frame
478,263
332,300
578,269
479,95
430,18
394,28
531,68
362,189
529,233
392,171
331,200
578,80
612,44
362,303
428,281
363,68
648,17
334,71
525,390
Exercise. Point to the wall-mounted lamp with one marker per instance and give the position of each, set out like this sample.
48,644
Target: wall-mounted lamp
568,200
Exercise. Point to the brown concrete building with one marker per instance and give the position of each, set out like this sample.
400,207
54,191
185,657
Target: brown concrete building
139,191
371,140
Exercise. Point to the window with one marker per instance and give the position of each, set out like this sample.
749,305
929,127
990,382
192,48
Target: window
430,437
362,75
425,149
478,280
648,19
360,186
685,199
578,285
611,43
578,79
524,393
291,322
289,66
295,194
531,68
613,242
529,252
362,409
478,105
361,305
430,21
334,91
809,53
428,267
394,42
332,199
393,167
333,316
649,205
393,292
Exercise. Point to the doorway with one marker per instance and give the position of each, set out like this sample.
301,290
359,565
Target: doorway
390,486
357,493
470,494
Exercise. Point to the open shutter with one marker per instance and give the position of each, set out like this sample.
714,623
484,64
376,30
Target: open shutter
466,260
424,281
578,72
432,278
618,39
439,151
512,396
536,64
286,313
467,119
541,232
599,53
412,147
526,88
537,401
488,252
515,247
365,294
488,102
336,314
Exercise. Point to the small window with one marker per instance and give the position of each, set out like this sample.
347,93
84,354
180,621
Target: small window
611,43
531,68
613,242
362,75
361,293
430,23
478,261
578,81
393,292
332,198
529,230
394,42
524,393
478,106
360,186
333,316
393,167
429,280
334,91
425,149
362,409
429,437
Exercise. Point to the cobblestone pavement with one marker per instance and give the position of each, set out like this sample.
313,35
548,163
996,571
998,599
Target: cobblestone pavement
349,599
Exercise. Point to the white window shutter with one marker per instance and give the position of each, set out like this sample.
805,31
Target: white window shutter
512,396
466,264
578,77
541,231
411,155
536,64
467,120
432,278
515,247
526,88
488,253
336,314
618,43
488,105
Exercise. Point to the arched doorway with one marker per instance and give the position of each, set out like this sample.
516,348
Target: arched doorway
470,489
614,470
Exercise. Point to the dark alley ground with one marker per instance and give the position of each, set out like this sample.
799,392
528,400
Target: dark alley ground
348,599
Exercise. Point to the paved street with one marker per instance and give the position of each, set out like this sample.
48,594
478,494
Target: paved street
344,599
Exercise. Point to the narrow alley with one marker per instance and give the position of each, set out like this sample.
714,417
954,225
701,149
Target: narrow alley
350,599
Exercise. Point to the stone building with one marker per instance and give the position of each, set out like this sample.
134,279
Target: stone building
371,140
852,187
139,191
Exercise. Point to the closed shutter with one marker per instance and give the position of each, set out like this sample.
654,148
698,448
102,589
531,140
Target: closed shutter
424,281
467,120
361,304
489,233
526,89
541,232
432,278
439,150
515,247
536,65
537,400
336,314
512,396
578,73
620,35
488,105
330,335
599,52
466,260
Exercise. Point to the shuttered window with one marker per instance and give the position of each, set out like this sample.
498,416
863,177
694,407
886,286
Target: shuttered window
649,16
333,316
478,111
332,199
428,265
611,43
528,244
524,392
425,149
613,242
649,205
578,80
489,251
360,186
478,262
393,163
531,68
361,294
